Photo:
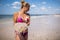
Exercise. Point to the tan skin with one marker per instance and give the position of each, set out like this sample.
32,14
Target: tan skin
22,13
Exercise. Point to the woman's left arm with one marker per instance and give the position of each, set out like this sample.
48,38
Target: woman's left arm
28,20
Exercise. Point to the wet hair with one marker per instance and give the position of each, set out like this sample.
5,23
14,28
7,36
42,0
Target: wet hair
28,14
24,4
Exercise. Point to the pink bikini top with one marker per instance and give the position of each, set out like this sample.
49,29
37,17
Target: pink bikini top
20,19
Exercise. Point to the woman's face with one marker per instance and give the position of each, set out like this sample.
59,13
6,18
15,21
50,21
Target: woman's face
26,9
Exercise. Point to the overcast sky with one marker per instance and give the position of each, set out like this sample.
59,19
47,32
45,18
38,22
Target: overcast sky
8,7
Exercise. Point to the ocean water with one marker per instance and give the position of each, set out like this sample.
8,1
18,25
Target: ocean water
10,16
5,16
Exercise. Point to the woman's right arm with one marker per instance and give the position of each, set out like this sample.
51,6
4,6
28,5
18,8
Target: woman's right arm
14,17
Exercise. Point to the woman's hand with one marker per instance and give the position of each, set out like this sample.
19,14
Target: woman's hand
27,22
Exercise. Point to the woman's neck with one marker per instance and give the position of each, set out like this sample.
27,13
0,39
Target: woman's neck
22,11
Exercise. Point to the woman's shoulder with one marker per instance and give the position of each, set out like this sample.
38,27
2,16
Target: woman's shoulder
15,13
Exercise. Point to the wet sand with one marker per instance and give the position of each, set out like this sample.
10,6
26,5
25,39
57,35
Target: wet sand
41,28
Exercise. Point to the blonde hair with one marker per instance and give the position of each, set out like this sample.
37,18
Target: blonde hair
24,4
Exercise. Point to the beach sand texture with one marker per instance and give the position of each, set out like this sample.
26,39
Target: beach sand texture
41,28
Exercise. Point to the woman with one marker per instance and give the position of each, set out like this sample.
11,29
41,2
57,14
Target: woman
21,22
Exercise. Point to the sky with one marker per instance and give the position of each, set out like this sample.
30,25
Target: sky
8,7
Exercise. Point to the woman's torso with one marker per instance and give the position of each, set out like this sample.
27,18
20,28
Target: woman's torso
20,22
22,18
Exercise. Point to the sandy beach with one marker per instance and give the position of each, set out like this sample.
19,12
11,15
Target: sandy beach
41,28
